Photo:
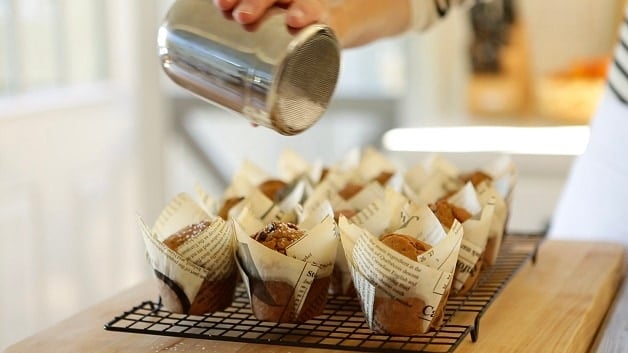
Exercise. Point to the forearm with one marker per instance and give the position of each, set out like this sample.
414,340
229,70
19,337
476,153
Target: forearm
358,22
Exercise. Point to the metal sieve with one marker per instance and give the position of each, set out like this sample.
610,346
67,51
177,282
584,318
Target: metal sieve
273,75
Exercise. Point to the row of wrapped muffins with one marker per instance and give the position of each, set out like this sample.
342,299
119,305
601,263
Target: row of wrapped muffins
401,240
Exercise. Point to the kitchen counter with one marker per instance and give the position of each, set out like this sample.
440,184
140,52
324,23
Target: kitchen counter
558,304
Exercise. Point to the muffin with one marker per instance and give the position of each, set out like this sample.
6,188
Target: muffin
405,245
350,190
274,300
388,311
213,295
447,213
383,177
278,236
272,188
227,206
475,177
324,174
346,212
184,234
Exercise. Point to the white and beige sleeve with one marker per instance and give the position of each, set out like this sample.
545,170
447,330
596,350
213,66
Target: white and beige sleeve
593,203
426,12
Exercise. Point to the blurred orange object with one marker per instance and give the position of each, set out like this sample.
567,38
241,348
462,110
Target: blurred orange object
572,95
586,68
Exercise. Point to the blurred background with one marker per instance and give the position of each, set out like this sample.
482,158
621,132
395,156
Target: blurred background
92,133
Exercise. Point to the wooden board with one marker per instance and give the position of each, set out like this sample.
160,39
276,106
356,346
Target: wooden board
613,337
556,305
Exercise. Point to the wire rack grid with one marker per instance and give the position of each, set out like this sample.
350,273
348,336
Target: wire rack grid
342,325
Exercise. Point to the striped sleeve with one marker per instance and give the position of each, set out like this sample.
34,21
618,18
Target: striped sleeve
618,73
426,12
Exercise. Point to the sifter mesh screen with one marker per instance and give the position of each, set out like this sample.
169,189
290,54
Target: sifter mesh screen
306,84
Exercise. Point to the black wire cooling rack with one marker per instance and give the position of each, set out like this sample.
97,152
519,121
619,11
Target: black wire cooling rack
342,324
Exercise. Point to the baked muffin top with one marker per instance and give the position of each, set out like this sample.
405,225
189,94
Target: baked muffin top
271,188
475,177
405,245
227,206
447,212
278,235
383,177
186,233
350,190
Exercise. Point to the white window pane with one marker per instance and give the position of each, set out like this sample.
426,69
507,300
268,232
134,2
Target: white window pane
51,43
84,34
6,36
37,43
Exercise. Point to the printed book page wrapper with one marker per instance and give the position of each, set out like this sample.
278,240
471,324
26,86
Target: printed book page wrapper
424,190
206,257
395,212
209,204
476,234
426,182
246,178
399,295
327,191
308,259
487,194
372,163
291,166
268,211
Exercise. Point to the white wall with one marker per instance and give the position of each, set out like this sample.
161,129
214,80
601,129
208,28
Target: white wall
76,167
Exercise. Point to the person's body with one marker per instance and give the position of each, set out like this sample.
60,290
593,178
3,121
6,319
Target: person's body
594,201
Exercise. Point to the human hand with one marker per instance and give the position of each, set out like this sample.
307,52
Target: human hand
300,13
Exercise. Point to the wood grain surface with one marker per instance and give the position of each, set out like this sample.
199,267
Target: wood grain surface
556,305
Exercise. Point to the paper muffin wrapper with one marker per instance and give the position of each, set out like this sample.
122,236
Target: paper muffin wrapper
437,177
293,166
328,192
291,287
267,210
387,281
476,235
206,202
373,162
500,190
246,178
341,278
400,296
488,194
504,175
391,212
200,276
426,184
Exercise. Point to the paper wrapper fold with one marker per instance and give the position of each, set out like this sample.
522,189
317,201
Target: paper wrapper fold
200,276
291,287
489,195
476,234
